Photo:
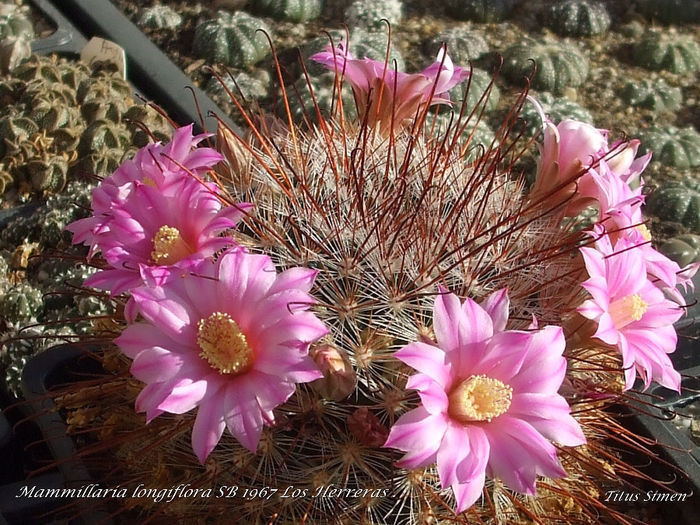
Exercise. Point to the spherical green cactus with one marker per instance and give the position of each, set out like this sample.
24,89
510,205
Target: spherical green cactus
252,85
676,147
103,134
559,64
671,11
369,14
655,95
670,51
556,109
15,22
463,44
21,304
473,90
677,201
292,10
301,101
578,18
373,45
479,10
475,138
684,249
36,67
160,17
232,39
47,173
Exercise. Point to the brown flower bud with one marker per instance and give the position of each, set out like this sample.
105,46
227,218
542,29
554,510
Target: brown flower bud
367,428
338,379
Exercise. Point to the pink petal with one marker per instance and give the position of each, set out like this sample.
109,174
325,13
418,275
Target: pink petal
184,396
419,434
208,427
432,395
497,306
242,413
549,415
466,494
427,359
504,355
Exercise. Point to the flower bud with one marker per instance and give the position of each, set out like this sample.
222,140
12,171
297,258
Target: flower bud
338,379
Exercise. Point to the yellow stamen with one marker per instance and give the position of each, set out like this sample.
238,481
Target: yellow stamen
168,246
148,181
479,398
223,344
627,310
646,234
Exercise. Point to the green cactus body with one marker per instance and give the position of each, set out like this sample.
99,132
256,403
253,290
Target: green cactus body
473,89
480,10
655,95
373,45
671,11
48,173
368,14
21,304
160,17
667,50
232,39
36,67
684,249
578,18
463,44
251,86
676,147
302,103
559,65
677,201
16,24
103,134
292,10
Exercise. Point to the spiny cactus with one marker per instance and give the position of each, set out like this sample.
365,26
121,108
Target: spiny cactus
672,146
684,249
253,85
670,51
578,18
232,39
21,304
559,65
160,17
656,95
368,14
677,201
464,44
671,11
292,10
480,10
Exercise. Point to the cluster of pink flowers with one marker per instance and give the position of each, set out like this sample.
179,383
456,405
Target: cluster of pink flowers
229,337
388,97
634,288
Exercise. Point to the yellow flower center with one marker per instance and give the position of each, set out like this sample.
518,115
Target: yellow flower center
148,181
168,246
223,344
479,398
627,310
646,234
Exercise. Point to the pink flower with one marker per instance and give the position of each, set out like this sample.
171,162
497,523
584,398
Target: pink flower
386,96
489,401
632,313
153,212
230,338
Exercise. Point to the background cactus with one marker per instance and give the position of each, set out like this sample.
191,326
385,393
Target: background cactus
678,201
672,146
655,95
160,16
577,18
556,108
292,10
670,11
368,14
670,51
559,65
232,39
684,249
480,10
15,22
473,90
464,44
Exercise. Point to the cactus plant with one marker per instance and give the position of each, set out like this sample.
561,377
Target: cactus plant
578,18
473,90
671,11
559,65
232,39
160,17
670,51
556,108
292,10
325,95
655,95
480,10
672,146
368,14
464,44
15,22
678,201
684,249
21,304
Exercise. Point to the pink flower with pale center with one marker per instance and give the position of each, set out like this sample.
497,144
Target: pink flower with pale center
632,312
384,95
154,212
489,400
230,339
